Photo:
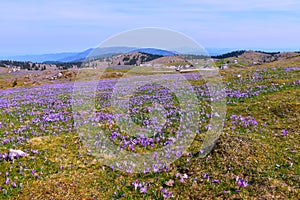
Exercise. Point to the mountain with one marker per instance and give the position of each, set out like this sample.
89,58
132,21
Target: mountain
51,58
70,56
219,51
40,58
77,56
154,51
80,56
107,52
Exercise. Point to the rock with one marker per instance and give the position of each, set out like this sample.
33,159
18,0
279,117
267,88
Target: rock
13,154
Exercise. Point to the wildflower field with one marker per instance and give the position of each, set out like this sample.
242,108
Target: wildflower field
256,156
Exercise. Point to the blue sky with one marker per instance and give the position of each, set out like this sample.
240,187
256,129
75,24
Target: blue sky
36,27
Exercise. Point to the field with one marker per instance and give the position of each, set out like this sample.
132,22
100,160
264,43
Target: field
256,157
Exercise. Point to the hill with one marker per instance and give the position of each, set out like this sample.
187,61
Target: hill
248,58
135,58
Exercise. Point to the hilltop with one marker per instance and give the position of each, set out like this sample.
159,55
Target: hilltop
135,58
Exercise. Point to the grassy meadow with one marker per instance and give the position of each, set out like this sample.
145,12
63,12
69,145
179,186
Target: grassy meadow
256,157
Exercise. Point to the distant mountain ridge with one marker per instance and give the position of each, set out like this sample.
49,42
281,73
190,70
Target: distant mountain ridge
77,56
70,56
107,52
51,58
81,56
154,51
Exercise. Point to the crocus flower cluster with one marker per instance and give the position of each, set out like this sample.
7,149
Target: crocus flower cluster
166,193
30,112
141,186
241,182
239,121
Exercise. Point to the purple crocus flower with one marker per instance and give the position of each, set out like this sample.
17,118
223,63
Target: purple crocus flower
7,181
241,182
205,176
34,151
131,146
5,141
112,167
135,184
285,132
13,184
143,190
166,193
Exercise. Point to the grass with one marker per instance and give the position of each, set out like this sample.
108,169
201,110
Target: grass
259,154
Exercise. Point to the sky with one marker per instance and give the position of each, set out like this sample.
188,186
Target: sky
39,26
